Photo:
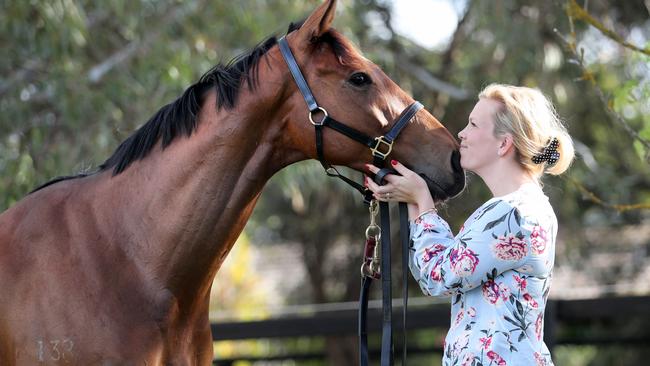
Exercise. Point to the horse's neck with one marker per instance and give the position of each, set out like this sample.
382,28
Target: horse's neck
190,202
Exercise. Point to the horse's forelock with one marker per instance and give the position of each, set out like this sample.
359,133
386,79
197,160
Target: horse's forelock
343,49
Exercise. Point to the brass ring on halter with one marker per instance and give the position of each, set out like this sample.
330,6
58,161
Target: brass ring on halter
311,116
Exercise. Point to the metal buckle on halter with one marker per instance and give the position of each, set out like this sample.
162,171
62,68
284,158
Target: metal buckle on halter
375,150
311,116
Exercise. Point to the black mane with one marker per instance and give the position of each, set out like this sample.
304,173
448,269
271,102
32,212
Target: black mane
179,118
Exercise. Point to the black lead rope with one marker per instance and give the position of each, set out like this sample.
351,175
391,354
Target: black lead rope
387,298
387,351
363,327
404,233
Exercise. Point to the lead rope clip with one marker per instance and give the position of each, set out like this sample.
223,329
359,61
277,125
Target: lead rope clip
371,258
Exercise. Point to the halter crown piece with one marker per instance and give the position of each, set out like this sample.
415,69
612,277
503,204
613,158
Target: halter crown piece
549,154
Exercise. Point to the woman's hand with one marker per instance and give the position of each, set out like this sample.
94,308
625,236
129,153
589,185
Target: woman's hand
409,187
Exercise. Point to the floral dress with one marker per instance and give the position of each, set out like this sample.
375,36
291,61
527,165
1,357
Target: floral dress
497,271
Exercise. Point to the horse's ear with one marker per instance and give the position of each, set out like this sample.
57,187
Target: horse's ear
319,21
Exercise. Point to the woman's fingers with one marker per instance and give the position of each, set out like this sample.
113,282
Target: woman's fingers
385,193
370,184
400,187
371,168
390,178
380,191
376,187
400,168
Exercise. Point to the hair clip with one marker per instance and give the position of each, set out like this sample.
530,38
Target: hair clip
549,154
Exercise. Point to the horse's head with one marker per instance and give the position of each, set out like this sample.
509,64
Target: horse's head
356,92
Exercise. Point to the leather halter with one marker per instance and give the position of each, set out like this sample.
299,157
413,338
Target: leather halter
380,147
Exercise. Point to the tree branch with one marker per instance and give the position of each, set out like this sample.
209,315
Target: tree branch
576,11
427,79
97,72
459,35
587,75
420,73
618,207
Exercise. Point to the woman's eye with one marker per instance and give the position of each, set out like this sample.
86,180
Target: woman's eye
360,79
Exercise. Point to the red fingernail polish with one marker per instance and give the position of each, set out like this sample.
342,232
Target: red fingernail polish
394,162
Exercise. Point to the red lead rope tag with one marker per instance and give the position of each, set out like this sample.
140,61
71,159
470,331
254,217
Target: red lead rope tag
370,266
369,250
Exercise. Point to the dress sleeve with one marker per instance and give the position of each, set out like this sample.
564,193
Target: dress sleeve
495,241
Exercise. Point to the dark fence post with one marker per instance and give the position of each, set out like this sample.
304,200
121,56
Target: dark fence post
550,324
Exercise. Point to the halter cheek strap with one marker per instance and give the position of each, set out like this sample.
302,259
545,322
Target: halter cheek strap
297,75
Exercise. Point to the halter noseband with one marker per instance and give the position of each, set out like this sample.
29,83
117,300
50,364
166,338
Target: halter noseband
380,146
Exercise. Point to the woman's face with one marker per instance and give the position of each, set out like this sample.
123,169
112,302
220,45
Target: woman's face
478,146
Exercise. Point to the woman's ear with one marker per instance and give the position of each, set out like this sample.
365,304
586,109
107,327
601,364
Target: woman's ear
506,146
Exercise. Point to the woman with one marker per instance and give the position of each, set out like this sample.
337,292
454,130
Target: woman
498,268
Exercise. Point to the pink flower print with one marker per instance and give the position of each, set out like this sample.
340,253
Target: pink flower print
432,251
467,359
459,345
521,282
436,271
428,226
485,342
539,326
504,291
496,358
509,248
471,312
463,261
530,300
491,292
459,317
538,240
540,360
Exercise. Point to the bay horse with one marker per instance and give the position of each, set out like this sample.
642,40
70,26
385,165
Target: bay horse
115,267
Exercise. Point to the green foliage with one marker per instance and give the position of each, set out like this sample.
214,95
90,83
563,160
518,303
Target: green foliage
79,76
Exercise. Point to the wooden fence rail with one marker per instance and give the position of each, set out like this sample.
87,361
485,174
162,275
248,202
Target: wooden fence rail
601,321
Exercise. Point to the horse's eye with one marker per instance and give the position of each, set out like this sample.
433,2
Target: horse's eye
360,79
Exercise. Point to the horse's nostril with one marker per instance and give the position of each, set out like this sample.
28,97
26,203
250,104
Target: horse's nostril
455,161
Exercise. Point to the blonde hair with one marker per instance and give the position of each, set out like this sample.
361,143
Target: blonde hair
531,119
